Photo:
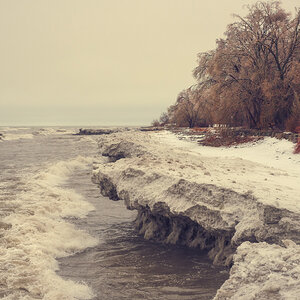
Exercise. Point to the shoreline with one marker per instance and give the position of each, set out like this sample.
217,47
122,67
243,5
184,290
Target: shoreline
212,203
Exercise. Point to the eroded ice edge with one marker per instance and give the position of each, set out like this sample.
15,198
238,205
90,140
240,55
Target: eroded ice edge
240,204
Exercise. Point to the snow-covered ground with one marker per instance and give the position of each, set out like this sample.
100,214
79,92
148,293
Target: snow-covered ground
260,270
247,197
269,151
274,170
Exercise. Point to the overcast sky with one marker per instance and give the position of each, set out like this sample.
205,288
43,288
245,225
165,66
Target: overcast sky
103,62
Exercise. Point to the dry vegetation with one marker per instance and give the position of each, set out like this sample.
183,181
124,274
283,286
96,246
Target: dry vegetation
227,138
297,148
251,79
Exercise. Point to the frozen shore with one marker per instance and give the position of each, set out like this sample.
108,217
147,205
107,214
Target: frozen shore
240,204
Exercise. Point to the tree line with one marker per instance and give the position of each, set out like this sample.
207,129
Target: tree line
251,78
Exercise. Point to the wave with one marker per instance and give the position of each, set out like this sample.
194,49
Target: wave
17,133
9,128
36,233
16,136
49,131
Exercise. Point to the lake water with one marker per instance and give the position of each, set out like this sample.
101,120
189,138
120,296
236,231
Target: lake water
60,239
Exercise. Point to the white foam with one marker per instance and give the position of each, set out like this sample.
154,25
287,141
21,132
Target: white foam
14,133
17,133
17,136
8,128
39,234
50,131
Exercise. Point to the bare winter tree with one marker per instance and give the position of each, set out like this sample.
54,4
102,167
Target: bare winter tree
252,78
187,109
254,70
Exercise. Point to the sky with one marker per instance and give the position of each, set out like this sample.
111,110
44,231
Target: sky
103,62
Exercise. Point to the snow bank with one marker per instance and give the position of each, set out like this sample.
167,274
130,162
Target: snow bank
214,199
263,271
267,168
269,151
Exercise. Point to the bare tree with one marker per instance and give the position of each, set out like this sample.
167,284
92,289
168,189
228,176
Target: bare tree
252,78
252,70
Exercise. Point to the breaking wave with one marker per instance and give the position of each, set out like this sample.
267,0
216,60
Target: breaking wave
15,136
36,233
18,133
49,131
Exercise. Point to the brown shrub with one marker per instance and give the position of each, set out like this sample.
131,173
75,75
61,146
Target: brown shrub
200,129
227,138
297,148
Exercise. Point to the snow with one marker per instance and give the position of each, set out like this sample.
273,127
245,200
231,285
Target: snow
263,271
260,270
269,151
268,168
249,193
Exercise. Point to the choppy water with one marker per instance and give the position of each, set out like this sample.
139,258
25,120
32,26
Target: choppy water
59,239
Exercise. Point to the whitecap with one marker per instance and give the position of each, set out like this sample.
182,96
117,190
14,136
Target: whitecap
39,234
16,136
